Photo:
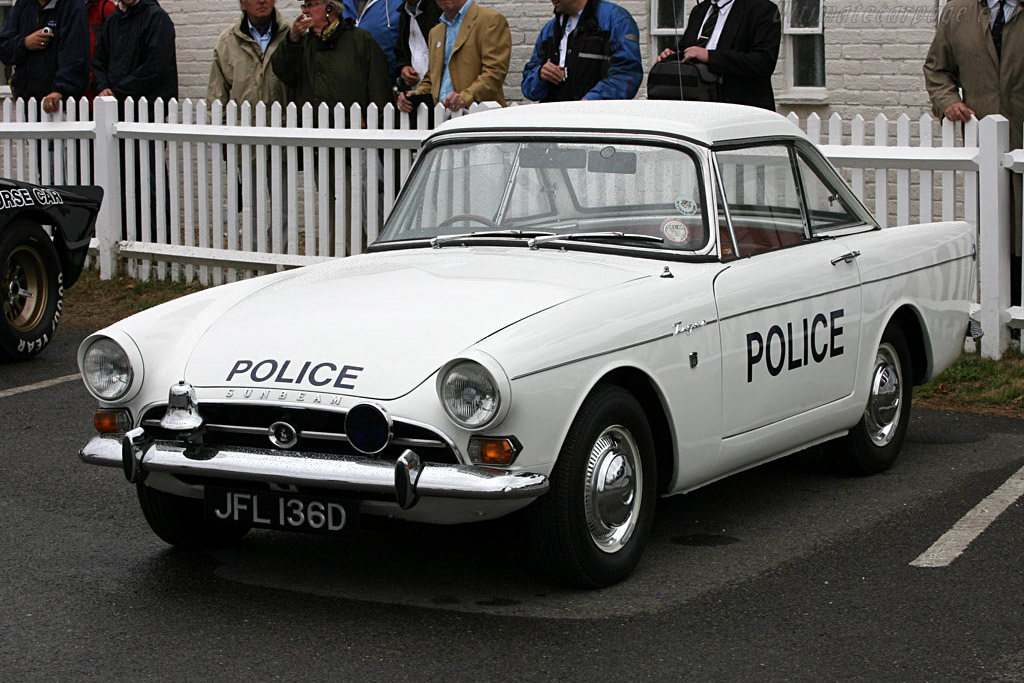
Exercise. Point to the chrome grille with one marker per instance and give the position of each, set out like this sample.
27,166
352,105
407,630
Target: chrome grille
319,431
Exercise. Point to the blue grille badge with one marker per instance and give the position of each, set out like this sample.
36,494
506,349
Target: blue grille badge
368,428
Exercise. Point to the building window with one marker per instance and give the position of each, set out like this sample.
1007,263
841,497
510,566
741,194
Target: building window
805,39
668,21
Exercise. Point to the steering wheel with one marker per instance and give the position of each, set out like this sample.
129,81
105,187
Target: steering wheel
467,217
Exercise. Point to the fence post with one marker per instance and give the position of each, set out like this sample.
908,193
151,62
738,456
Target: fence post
108,176
995,230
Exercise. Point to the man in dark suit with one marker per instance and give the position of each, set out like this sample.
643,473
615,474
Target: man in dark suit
739,41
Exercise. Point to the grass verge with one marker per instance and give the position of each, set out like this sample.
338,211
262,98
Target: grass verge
94,303
979,385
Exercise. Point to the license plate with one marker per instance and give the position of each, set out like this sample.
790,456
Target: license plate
282,511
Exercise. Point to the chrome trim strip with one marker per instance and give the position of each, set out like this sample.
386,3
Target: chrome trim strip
359,475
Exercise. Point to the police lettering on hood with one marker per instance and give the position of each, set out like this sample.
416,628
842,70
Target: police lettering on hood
321,374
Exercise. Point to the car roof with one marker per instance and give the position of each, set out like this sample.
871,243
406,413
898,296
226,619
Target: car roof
704,122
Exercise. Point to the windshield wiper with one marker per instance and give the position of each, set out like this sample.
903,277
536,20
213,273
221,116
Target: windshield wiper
537,241
437,242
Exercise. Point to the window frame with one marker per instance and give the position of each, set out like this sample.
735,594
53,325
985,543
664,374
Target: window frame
657,32
789,32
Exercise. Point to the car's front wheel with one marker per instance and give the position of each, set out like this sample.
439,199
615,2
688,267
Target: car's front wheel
179,520
591,527
32,293
874,443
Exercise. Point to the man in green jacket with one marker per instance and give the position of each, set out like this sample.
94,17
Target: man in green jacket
241,61
327,59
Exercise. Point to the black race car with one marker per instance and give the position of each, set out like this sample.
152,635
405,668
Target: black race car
44,238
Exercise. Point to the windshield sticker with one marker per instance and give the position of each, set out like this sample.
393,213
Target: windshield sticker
686,206
675,230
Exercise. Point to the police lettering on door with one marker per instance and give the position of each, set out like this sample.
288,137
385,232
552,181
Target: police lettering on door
793,345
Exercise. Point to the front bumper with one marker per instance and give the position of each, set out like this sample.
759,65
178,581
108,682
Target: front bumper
407,479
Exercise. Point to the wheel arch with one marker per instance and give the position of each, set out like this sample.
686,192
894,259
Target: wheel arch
643,388
909,320
41,218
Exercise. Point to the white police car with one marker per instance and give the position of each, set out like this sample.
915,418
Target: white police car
574,307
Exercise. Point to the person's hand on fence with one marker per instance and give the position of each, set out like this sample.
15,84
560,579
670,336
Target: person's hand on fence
38,40
454,102
958,111
51,103
106,92
403,103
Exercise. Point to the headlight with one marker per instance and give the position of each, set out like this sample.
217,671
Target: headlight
470,394
106,369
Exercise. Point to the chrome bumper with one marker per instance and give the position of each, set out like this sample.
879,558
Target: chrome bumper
407,479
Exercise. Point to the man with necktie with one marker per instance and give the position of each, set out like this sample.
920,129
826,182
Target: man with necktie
739,41
975,67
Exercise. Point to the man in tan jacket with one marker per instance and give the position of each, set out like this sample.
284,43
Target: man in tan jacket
469,57
979,48
241,60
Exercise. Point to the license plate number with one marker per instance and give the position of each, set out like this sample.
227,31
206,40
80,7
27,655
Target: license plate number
282,511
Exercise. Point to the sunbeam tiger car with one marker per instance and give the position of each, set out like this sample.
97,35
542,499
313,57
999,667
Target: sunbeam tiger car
574,307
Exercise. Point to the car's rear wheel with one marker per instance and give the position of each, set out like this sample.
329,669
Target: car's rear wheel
180,521
32,294
874,443
591,527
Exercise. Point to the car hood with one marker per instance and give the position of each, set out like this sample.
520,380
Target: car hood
376,326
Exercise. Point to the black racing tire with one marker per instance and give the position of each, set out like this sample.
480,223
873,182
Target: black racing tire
590,529
873,445
180,522
31,290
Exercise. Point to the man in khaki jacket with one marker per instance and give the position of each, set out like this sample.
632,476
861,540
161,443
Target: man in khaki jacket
469,57
975,52
241,60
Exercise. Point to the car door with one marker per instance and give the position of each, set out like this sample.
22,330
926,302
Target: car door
789,305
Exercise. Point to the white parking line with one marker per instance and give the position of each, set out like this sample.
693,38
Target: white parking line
38,385
970,526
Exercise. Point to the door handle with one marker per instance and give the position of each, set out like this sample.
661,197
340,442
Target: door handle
847,257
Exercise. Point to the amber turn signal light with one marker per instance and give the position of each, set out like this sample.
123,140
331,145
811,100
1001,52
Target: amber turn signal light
111,421
498,451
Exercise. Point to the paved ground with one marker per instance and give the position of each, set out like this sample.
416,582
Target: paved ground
786,572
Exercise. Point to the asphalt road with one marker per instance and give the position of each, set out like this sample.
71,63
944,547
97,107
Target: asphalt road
786,572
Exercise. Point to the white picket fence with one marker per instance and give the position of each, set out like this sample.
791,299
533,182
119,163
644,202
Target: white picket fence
233,200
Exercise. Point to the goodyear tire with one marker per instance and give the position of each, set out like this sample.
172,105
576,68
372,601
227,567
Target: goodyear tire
180,522
32,291
873,445
591,528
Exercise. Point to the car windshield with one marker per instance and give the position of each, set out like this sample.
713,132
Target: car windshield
636,195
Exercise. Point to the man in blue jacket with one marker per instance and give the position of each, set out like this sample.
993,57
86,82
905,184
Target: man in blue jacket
47,43
380,18
590,50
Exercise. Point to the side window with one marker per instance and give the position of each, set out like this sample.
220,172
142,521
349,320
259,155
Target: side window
762,197
825,203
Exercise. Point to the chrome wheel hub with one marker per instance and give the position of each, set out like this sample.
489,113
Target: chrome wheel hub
612,489
23,276
885,401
